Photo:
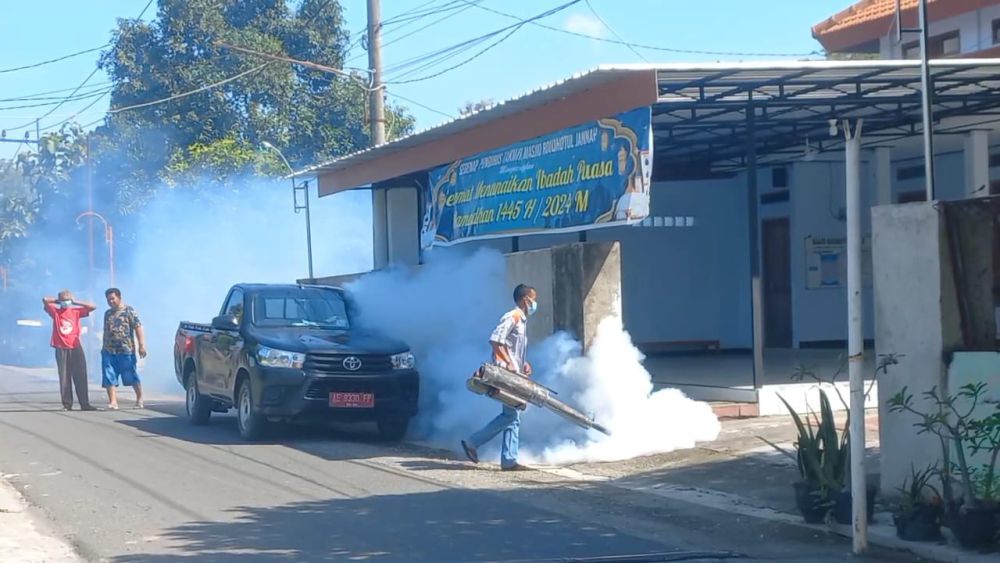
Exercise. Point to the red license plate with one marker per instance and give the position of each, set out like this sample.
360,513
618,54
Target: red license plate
352,400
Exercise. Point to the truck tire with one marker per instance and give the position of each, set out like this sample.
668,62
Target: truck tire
250,423
393,428
198,406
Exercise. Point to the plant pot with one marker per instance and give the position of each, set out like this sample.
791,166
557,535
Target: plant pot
921,524
976,527
842,505
811,502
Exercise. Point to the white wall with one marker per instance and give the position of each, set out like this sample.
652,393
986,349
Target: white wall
688,283
975,32
818,196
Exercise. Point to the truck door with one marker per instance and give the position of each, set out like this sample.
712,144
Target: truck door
222,353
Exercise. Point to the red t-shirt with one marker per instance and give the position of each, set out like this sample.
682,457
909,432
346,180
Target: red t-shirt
66,324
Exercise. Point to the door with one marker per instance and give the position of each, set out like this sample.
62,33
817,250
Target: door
222,346
777,278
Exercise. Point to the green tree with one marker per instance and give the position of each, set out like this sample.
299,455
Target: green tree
311,115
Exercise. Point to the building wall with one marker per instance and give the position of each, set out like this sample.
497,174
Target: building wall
975,32
692,282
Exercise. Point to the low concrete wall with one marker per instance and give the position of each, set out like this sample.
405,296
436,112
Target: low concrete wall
933,295
578,285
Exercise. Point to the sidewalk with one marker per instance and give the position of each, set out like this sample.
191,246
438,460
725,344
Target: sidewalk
23,538
740,474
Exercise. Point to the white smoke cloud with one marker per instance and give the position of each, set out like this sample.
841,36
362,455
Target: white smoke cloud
446,311
192,247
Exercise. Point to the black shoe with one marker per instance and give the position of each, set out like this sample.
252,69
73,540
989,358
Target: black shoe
470,452
89,408
516,467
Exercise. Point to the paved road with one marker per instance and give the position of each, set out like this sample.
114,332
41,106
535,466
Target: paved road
148,486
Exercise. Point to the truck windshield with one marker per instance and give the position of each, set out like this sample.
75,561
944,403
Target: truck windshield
307,307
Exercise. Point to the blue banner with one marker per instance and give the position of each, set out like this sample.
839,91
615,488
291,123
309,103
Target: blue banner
593,175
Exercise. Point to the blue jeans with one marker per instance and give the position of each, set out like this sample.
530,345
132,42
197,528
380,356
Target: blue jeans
508,422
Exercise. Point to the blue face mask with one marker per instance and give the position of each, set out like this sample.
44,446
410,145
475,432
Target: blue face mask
65,303
532,307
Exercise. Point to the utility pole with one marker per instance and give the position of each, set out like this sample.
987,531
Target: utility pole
926,87
376,101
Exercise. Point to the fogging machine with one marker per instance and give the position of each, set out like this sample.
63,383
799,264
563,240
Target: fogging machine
517,391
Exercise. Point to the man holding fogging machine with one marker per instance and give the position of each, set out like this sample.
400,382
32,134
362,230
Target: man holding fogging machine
510,343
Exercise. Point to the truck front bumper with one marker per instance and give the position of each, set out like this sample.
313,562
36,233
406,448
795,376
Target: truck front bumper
295,394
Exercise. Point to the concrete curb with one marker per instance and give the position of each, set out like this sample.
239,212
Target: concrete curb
881,533
22,539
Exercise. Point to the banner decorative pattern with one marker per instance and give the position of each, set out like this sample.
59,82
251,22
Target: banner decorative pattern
593,175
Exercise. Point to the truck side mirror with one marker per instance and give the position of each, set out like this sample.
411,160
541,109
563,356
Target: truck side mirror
225,322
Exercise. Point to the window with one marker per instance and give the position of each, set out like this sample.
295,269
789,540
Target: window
944,45
234,305
305,307
779,178
996,32
910,172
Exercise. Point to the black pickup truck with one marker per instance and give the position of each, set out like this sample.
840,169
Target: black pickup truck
289,352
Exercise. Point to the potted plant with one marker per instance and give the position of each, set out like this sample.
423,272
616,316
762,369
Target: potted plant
822,459
972,513
918,517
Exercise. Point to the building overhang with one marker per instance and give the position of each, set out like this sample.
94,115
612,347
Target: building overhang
706,117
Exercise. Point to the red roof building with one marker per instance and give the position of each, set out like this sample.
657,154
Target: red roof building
958,28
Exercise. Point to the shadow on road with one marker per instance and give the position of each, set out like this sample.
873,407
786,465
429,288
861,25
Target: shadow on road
314,439
447,525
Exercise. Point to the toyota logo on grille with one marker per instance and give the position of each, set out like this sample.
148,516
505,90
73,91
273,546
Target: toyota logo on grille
352,363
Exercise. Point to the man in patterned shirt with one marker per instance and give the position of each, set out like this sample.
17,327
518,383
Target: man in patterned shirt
510,343
122,329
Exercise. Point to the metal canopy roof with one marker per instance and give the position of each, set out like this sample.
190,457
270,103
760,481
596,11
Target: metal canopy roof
703,115
702,112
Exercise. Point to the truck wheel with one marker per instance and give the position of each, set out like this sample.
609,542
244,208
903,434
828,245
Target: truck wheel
251,423
199,407
393,429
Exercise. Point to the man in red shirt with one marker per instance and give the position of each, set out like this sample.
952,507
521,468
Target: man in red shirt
66,313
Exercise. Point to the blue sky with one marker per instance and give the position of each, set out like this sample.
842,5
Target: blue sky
31,32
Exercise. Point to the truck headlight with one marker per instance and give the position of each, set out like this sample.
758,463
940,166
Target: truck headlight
272,358
403,361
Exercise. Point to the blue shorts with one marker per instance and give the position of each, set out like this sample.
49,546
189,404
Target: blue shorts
114,366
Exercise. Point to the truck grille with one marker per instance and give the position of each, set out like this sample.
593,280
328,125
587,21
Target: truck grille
340,364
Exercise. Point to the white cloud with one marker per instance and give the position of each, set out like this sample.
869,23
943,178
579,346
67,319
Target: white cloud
586,24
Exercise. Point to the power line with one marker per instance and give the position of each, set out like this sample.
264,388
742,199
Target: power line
418,104
258,68
40,96
77,89
509,29
612,30
50,61
75,115
86,96
641,46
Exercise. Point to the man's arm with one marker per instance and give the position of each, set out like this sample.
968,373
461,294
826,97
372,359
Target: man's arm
140,334
501,354
49,305
90,307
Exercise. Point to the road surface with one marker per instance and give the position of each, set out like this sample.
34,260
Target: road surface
145,485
